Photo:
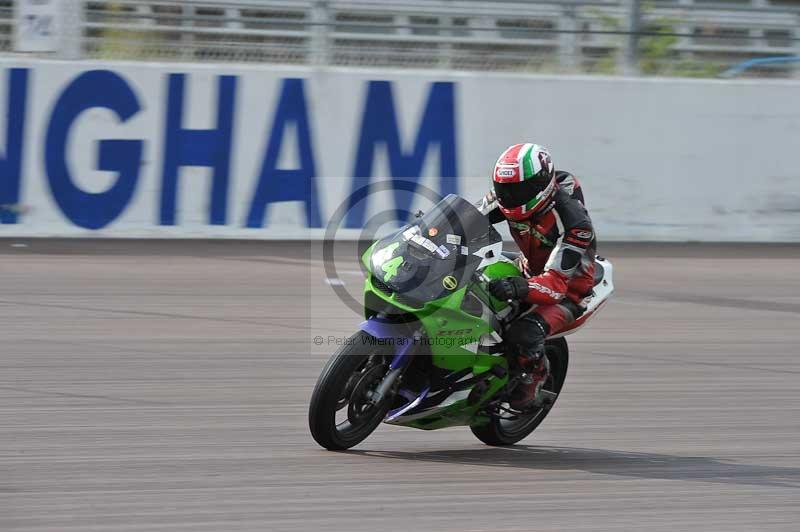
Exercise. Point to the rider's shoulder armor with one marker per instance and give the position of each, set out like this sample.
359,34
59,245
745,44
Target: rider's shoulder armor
571,211
569,183
569,202
576,223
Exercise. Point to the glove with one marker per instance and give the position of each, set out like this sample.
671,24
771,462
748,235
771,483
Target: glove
509,288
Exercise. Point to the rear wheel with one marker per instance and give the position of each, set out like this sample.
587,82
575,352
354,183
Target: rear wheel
340,414
499,431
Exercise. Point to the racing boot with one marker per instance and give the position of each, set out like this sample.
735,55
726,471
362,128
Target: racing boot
530,392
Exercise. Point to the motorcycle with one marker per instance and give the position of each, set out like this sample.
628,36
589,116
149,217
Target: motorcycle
430,353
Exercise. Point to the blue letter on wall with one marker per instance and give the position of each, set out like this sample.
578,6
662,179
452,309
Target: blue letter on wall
95,88
197,147
278,185
11,164
379,125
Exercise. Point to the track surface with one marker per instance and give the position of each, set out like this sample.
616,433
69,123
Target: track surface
164,387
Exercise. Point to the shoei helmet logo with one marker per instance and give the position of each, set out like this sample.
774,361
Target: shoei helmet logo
433,231
450,282
506,173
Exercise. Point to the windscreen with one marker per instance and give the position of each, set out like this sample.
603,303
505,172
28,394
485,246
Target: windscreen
433,256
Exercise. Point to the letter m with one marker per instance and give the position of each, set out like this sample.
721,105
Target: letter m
379,126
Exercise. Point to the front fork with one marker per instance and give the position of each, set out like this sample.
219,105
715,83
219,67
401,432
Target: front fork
395,335
388,386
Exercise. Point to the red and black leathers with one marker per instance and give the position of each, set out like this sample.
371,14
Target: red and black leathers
559,247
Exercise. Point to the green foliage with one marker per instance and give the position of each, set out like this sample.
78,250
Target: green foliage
123,43
655,51
692,68
609,63
608,22
657,57
606,65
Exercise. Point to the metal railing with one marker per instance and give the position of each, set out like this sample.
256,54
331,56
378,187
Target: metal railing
565,36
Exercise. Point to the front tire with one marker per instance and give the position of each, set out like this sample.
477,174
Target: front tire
345,383
498,432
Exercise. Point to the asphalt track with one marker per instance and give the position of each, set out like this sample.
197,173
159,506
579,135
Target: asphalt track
164,386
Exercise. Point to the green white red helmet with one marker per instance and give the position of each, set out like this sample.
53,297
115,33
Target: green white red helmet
524,181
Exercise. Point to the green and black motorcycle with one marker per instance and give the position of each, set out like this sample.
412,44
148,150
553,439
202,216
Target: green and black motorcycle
430,353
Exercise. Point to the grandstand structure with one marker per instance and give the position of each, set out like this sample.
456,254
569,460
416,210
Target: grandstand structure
633,37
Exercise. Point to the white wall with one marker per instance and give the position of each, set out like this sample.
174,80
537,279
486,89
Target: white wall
658,159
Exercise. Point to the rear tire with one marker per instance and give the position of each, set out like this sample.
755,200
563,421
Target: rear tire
348,375
498,432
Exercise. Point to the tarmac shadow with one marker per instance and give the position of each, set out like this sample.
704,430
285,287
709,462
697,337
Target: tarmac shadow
605,462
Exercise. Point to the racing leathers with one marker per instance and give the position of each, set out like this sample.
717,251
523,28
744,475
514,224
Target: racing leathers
558,250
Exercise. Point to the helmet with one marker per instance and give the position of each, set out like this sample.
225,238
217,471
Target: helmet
524,181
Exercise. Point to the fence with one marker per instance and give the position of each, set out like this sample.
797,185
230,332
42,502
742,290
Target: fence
672,38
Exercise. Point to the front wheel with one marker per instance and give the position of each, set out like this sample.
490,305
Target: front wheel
341,414
500,431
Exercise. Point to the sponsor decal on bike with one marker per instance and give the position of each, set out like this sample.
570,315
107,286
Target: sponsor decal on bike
442,251
454,332
450,282
453,239
410,232
424,242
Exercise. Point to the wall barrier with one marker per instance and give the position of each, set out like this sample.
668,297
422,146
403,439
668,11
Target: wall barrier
118,149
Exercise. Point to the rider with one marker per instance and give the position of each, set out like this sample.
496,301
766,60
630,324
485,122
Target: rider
545,211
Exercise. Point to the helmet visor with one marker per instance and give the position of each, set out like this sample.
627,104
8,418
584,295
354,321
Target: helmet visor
512,195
